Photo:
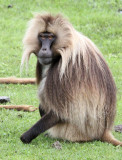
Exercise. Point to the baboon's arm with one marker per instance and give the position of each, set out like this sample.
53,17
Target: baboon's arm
46,122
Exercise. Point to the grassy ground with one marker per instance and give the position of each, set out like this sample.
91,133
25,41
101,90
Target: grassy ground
100,21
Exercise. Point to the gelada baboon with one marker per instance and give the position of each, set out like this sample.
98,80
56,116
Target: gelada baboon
76,90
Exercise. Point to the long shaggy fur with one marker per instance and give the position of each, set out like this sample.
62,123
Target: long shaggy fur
79,87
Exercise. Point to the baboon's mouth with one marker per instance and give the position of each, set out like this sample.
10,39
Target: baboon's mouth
45,60
48,60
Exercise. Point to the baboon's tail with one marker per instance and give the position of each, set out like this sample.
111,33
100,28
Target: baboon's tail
108,137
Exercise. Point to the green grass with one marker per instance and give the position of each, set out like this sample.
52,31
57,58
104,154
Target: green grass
101,22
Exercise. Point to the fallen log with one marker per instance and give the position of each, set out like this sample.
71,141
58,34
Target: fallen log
19,107
15,80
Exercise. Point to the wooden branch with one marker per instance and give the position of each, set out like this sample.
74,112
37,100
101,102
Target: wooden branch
19,107
15,80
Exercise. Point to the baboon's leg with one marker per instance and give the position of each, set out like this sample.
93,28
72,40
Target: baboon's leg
108,137
46,122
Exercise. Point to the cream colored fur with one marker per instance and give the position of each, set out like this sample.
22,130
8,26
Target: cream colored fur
85,117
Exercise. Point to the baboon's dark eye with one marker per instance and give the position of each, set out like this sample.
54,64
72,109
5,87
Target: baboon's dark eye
50,37
42,36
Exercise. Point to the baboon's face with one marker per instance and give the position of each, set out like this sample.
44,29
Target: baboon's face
45,54
47,37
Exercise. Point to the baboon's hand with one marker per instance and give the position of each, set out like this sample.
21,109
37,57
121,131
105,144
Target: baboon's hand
25,139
